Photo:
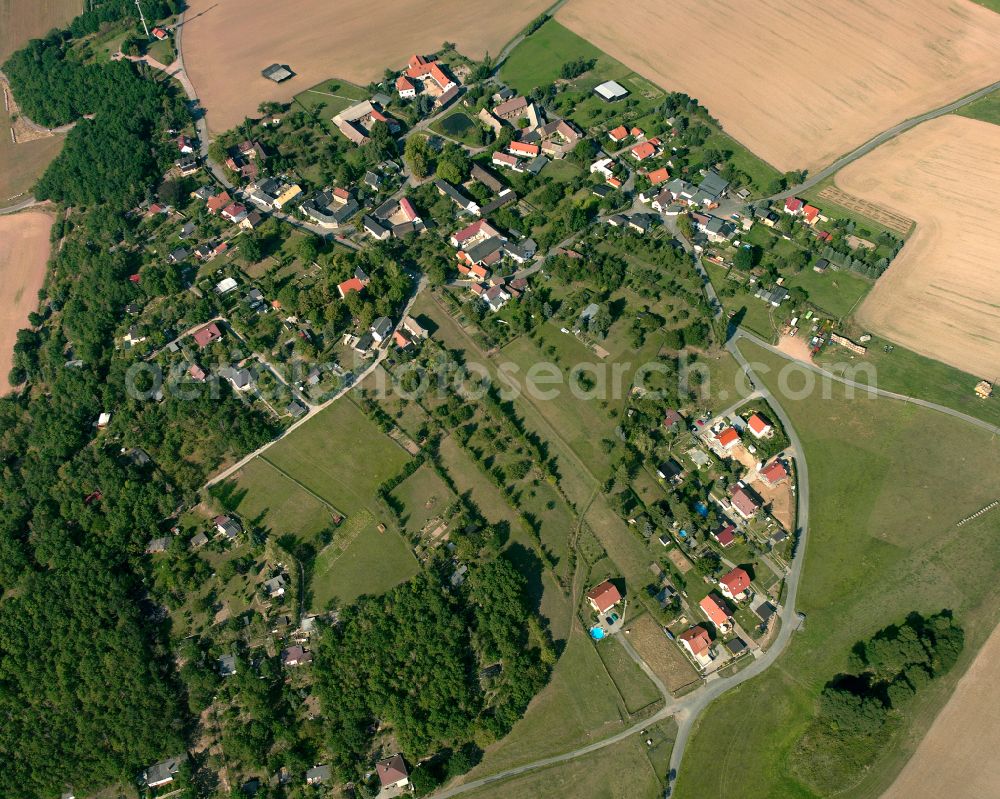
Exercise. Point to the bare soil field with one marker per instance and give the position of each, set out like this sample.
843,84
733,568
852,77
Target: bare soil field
957,758
21,20
795,347
778,498
802,83
941,296
24,253
227,43
661,654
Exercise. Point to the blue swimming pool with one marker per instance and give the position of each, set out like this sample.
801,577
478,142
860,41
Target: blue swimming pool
597,633
702,509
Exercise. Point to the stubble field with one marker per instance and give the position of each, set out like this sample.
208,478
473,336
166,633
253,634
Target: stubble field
226,43
21,20
940,297
24,253
801,84
957,757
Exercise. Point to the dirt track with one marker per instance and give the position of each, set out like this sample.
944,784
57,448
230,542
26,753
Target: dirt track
941,295
227,43
802,83
24,253
957,758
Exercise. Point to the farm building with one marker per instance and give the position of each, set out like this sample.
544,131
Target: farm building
277,72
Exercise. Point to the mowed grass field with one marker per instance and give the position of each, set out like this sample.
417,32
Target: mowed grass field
985,108
269,499
340,457
626,770
578,706
906,372
889,483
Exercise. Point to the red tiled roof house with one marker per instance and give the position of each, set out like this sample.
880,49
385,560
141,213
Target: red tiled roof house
604,597
735,584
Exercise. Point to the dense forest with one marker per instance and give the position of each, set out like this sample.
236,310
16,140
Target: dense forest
107,159
414,659
859,711
88,693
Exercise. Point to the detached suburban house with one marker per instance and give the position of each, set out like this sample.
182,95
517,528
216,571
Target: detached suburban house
697,642
759,426
392,775
745,502
604,597
774,473
161,773
717,613
735,584
317,775
728,438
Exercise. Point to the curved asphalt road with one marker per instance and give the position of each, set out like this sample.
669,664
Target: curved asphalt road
689,708
741,333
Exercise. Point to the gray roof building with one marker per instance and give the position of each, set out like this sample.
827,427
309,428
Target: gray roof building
381,328
277,72
713,185
227,665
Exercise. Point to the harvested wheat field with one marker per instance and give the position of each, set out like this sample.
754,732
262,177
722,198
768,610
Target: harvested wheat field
24,252
802,83
957,758
21,20
941,295
227,43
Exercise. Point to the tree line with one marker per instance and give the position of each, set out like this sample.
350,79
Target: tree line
858,711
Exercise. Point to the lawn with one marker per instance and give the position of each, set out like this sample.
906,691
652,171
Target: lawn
622,771
537,61
270,500
340,455
634,687
471,482
422,496
905,372
755,314
836,292
985,108
331,97
579,705
882,544
372,563
759,171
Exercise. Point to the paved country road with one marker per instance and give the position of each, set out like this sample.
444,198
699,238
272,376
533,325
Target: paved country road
687,709
882,138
